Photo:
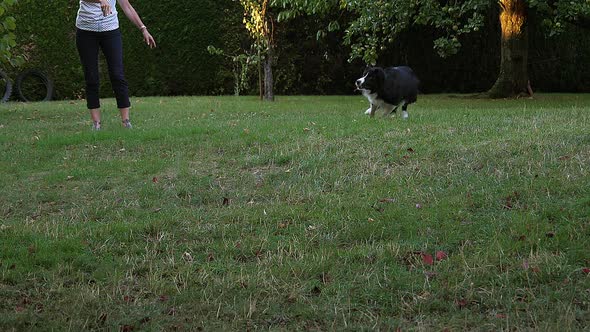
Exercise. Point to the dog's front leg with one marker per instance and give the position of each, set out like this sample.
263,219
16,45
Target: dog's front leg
373,110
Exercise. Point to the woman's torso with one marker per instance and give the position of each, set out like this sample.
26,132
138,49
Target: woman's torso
90,17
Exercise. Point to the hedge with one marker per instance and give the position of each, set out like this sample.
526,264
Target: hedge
181,64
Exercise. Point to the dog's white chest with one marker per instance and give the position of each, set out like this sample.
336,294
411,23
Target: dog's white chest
373,99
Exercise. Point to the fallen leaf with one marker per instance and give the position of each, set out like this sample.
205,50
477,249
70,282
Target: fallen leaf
410,150
462,303
155,179
387,200
325,278
225,201
187,257
550,234
440,255
586,270
127,328
427,259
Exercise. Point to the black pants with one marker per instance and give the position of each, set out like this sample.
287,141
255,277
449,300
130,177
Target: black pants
111,44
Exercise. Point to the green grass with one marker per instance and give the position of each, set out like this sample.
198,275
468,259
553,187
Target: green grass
223,213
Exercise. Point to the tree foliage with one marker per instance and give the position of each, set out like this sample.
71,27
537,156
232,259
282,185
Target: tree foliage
7,36
377,23
257,21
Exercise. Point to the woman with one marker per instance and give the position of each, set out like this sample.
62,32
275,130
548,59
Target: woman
98,28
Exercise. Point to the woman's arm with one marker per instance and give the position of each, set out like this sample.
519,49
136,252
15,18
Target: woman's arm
134,18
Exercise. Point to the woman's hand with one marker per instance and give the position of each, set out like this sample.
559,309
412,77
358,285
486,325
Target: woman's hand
147,37
105,6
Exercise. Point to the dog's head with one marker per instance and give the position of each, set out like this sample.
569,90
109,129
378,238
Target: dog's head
372,80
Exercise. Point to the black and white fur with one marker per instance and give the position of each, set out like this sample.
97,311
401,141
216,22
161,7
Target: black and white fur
387,88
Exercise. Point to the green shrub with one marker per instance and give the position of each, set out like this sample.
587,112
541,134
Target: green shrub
180,65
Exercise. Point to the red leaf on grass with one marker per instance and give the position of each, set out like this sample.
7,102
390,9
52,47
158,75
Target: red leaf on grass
427,259
462,303
127,328
586,270
440,255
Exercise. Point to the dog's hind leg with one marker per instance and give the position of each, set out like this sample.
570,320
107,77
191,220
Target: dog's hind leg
391,111
405,111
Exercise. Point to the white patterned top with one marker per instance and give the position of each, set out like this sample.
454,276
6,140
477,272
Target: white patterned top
90,17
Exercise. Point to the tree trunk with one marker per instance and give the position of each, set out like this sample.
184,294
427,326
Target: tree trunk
513,77
268,79
260,86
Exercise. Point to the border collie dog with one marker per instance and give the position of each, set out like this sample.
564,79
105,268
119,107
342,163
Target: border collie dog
387,88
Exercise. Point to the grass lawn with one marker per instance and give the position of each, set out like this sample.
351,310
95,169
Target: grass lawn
224,213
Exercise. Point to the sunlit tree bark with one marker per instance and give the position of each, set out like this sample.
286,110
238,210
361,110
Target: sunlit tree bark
513,77
259,23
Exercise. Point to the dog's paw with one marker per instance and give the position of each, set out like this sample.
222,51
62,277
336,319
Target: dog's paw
368,112
405,115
